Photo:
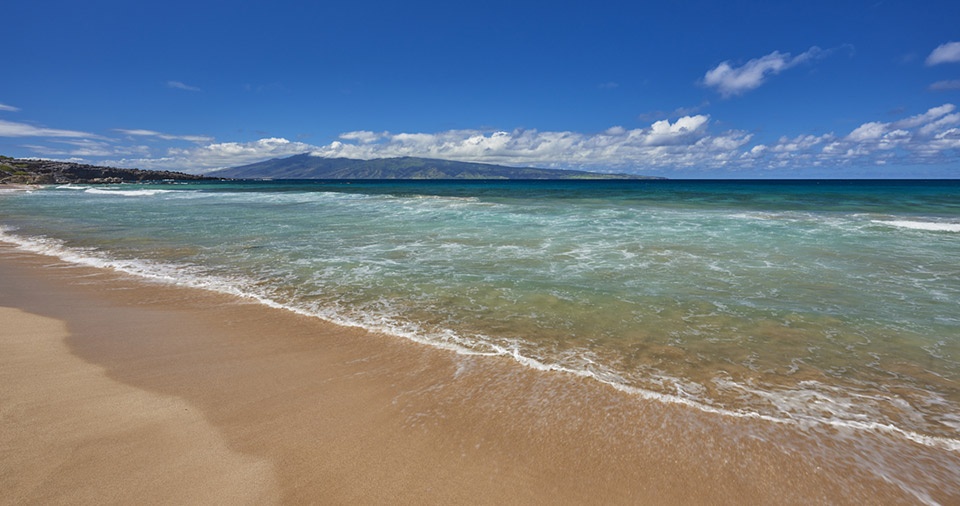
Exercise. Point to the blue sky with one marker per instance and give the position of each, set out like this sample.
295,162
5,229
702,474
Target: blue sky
677,89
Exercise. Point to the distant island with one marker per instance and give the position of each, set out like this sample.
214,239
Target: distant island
27,171
303,166
307,166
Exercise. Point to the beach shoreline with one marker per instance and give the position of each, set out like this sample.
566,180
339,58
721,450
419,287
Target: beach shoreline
13,187
311,412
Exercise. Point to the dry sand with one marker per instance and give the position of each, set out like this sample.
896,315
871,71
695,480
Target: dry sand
73,435
115,390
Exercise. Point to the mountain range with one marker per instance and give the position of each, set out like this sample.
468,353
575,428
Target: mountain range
307,166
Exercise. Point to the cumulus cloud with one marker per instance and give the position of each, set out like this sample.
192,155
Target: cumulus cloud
944,53
932,137
730,80
663,132
181,86
661,144
363,136
868,131
925,118
689,144
684,142
664,146
13,129
948,140
800,143
8,108
886,135
940,124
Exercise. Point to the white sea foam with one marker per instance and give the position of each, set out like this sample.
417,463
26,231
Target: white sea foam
90,257
442,198
127,193
931,226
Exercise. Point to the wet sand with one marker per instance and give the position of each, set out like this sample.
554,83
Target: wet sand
117,390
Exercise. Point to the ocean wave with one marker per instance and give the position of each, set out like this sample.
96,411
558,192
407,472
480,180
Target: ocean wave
127,193
442,197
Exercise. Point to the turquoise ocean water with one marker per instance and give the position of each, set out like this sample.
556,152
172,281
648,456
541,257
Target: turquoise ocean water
830,303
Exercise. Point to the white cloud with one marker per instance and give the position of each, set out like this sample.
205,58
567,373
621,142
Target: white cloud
868,131
168,137
927,138
688,145
684,142
730,81
181,86
940,125
664,143
894,139
8,108
800,143
13,129
925,118
916,139
945,53
363,136
935,119
948,139
87,148
663,132
946,85
213,156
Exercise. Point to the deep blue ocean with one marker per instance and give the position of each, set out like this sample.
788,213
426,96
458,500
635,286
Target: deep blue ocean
830,303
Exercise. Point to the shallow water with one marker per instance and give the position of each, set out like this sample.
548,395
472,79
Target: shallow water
821,304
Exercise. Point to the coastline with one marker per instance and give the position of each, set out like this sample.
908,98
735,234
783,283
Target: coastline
313,412
12,187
